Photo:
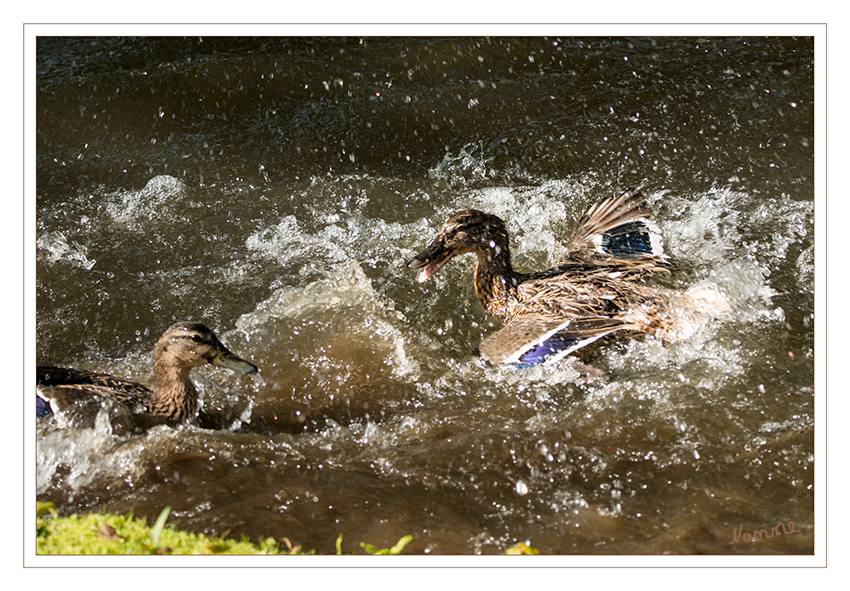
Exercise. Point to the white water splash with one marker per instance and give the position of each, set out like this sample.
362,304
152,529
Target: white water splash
159,198
58,248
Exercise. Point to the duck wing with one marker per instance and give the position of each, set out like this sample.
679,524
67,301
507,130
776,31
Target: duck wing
60,387
620,227
529,340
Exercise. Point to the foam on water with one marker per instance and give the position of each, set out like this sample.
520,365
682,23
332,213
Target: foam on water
80,457
292,246
57,247
135,211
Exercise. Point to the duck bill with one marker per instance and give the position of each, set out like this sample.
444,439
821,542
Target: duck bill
430,261
226,359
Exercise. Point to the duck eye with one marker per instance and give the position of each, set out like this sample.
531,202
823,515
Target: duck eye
197,338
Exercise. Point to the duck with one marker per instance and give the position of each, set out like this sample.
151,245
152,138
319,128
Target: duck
174,399
596,288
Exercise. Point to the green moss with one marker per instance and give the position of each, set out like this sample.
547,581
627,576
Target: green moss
106,533
101,533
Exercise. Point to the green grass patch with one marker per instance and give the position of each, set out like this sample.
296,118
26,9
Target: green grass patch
107,533
104,533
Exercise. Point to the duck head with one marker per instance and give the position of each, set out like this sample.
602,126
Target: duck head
188,344
466,231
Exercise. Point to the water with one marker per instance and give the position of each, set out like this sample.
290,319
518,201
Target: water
274,188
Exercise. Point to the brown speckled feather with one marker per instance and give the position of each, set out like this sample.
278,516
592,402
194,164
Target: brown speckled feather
66,385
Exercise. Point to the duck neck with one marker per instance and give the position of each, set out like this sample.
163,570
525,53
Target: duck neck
175,397
495,279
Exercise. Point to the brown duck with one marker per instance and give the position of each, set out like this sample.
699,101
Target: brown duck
173,400
595,289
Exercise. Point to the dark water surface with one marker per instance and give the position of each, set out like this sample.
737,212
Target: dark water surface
273,189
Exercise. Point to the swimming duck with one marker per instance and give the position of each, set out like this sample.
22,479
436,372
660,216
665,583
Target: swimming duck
593,290
174,399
